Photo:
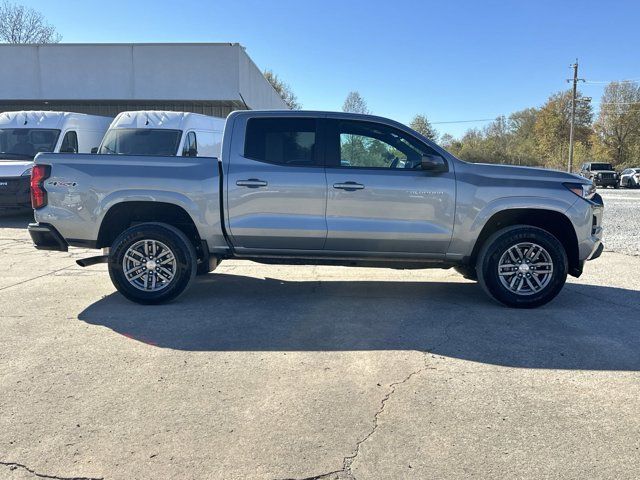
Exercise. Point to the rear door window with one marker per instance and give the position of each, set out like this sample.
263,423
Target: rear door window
282,141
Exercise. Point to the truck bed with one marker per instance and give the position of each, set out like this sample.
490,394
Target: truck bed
84,187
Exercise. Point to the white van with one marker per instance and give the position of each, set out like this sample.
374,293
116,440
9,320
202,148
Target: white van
156,132
25,134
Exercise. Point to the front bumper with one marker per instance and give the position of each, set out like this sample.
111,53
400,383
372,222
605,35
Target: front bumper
15,193
605,182
46,237
597,210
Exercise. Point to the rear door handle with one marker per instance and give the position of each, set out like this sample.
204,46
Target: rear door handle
251,183
349,186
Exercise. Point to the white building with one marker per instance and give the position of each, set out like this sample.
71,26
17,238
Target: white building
105,79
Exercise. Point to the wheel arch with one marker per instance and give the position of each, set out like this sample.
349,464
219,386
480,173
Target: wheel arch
123,215
552,221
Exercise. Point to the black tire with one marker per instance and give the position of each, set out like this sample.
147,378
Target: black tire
467,271
499,243
616,186
184,269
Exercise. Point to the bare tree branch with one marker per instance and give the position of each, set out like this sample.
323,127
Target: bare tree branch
20,24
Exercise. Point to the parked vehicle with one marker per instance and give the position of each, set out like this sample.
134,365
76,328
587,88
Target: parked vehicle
630,178
319,188
25,134
163,133
601,174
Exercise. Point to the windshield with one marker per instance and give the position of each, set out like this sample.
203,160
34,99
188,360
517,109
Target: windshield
141,141
19,143
601,166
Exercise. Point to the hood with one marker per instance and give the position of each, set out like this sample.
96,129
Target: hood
530,173
595,172
14,168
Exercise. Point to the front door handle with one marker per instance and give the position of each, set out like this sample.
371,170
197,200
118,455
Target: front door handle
251,183
348,186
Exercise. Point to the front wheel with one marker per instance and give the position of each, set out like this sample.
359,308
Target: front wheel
152,263
522,266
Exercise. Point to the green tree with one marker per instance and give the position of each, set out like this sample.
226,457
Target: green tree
20,24
421,124
552,130
522,145
283,89
617,129
354,103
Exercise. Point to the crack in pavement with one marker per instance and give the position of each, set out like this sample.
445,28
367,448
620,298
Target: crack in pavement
15,466
37,277
345,472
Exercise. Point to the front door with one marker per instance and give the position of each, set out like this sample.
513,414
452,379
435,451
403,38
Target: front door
379,200
277,189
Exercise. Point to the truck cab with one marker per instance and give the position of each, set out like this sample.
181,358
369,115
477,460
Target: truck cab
155,132
24,134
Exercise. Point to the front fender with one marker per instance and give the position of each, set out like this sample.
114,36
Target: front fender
471,219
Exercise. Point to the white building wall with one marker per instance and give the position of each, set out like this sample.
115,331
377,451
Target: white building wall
145,72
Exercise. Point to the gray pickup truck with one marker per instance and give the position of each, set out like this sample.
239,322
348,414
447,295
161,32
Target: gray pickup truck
324,189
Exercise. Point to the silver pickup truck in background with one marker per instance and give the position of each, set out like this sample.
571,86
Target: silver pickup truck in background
318,188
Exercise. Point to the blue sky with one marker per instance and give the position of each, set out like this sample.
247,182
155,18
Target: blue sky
451,60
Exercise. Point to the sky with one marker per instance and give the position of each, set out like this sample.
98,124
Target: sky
449,60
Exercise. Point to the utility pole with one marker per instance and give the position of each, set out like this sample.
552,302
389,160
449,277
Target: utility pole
574,94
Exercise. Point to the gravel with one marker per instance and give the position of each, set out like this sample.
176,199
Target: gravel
621,220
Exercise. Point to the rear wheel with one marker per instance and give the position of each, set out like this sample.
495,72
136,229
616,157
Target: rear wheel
152,263
522,266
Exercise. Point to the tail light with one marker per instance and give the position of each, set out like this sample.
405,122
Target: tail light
39,174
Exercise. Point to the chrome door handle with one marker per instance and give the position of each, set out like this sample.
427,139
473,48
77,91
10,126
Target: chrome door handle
349,186
251,183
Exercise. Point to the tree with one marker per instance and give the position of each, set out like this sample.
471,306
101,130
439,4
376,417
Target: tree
522,144
421,124
552,129
20,24
283,89
354,103
447,141
617,129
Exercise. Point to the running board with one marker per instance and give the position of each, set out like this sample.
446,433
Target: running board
87,262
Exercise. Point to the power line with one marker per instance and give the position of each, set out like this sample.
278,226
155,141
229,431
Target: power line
466,121
601,82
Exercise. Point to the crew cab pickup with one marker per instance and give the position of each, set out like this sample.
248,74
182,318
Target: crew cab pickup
318,188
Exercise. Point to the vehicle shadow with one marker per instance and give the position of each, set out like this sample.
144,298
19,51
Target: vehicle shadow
17,220
586,327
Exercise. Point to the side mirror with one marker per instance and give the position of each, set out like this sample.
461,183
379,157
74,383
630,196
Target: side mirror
192,152
68,150
94,150
433,163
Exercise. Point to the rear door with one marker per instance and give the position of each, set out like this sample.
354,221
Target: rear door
379,199
276,185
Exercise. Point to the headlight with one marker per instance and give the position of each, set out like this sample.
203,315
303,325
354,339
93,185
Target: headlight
598,174
615,175
27,172
583,190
